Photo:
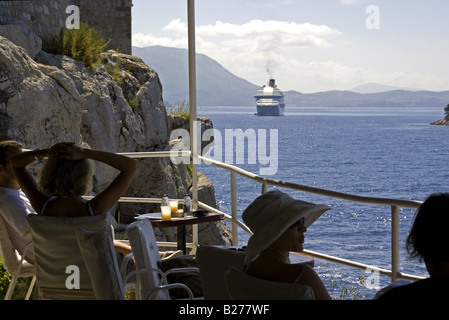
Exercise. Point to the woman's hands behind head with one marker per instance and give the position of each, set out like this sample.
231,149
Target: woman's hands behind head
68,150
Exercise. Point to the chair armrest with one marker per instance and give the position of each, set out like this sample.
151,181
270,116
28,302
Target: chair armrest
163,284
161,273
183,269
171,286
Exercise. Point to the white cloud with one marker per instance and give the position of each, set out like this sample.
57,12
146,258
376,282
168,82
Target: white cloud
177,26
290,33
254,47
284,50
255,50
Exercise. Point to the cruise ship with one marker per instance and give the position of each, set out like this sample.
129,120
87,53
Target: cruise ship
270,100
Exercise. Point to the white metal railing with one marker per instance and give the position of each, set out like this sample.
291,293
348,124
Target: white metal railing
395,205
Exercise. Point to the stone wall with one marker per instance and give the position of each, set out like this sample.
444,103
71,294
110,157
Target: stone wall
47,17
112,18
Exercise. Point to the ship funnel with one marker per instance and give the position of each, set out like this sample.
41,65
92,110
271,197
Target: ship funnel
271,83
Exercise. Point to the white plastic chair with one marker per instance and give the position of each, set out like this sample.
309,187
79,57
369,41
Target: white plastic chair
14,264
151,280
245,287
75,258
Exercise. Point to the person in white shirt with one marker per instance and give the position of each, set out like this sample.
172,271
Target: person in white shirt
14,204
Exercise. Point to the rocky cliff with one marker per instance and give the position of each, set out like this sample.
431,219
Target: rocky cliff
47,98
441,122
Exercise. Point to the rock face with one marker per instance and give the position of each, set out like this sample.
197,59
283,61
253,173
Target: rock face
441,122
54,98
23,36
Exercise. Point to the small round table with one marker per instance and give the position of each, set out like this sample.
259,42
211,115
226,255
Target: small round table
180,223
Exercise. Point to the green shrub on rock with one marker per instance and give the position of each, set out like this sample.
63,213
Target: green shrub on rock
84,44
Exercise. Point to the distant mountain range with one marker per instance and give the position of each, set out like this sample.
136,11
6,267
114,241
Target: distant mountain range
216,86
376,88
395,98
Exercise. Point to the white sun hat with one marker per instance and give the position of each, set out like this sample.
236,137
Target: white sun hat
271,214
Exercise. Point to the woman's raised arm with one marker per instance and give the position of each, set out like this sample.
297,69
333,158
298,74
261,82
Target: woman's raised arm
27,183
127,166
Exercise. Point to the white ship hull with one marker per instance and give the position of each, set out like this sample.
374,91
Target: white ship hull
270,110
270,100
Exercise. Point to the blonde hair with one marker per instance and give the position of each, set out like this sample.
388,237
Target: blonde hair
62,177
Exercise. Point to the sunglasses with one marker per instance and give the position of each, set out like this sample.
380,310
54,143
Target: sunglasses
299,223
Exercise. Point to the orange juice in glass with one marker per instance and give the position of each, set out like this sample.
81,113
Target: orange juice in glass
174,206
166,213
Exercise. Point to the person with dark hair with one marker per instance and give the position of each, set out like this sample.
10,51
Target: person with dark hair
428,242
14,204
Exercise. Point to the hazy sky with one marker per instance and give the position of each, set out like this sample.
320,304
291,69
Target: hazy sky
310,45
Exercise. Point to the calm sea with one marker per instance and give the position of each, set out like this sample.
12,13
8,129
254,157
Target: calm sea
379,152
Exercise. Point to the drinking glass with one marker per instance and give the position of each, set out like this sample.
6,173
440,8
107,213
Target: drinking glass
174,206
166,213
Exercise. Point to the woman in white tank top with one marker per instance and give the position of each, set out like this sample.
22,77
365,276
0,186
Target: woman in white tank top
67,175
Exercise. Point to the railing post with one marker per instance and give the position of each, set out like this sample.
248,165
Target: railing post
192,99
264,188
395,243
192,108
234,209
